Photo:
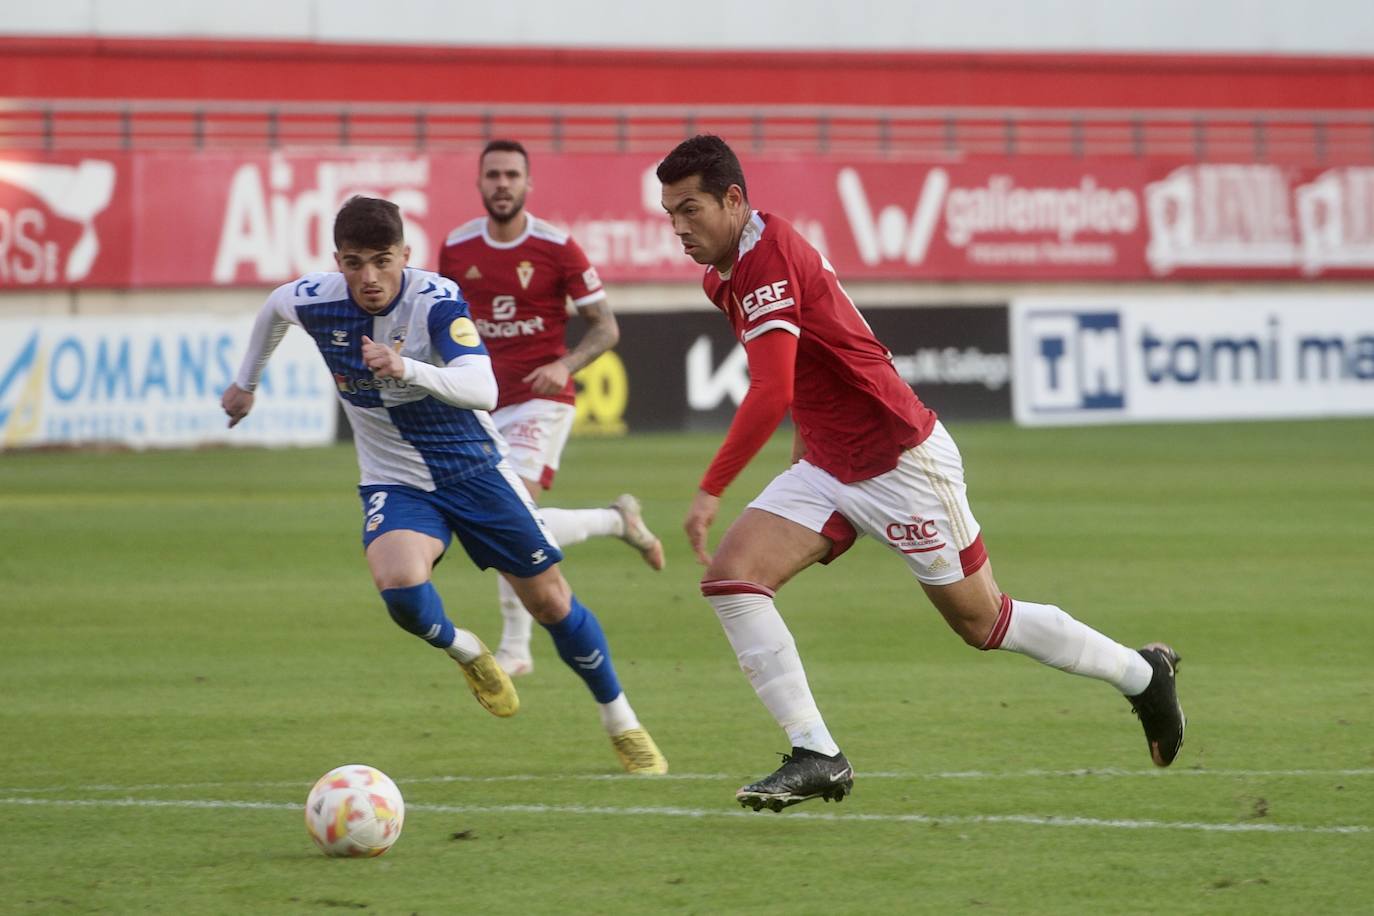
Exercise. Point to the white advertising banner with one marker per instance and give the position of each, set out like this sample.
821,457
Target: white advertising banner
1115,359
154,382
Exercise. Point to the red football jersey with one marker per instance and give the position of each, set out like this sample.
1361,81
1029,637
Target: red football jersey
854,413
517,292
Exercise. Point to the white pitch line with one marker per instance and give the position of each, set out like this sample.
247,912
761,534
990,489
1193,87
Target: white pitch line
1033,820
1104,773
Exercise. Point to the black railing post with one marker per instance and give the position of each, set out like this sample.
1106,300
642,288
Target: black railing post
126,128
345,128
884,135
756,130
421,130
622,132
1009,132
823,133
1199,139
951,134
556,131
1261,140
273,129
1076,137
1138,137
198,128
486,127
49,129
1319,138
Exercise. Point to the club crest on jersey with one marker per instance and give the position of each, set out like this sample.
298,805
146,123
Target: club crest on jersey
398,338
338,338
767,298
525,271
473,273
464,332
591,279
919,535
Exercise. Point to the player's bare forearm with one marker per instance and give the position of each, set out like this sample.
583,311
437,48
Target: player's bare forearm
603,332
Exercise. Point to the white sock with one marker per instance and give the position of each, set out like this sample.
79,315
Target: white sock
1048,635
515,621
768,656
573,526
465,646
616,716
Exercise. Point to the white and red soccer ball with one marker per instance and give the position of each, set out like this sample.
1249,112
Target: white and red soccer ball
354,810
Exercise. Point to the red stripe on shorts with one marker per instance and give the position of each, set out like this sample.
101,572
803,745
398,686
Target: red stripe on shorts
972,557
841,534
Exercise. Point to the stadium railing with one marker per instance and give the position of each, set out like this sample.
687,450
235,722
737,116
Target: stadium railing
1320,136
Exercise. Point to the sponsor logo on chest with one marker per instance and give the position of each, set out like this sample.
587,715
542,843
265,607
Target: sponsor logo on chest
767,298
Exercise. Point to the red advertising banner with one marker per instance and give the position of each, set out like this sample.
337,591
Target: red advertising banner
168,219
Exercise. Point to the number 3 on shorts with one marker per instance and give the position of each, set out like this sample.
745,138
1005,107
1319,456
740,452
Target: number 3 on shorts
375,502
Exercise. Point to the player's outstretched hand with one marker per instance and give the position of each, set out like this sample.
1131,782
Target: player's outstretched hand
236,403
698,523
549,378
382,360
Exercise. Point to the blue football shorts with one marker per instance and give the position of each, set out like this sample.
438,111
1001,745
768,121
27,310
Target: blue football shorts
490,512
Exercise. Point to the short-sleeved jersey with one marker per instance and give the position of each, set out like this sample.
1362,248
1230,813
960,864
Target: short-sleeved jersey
853,411
403,435
518,292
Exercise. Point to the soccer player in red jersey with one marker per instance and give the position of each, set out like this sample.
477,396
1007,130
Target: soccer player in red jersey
518,274
868,458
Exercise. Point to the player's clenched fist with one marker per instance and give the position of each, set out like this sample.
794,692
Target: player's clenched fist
382,360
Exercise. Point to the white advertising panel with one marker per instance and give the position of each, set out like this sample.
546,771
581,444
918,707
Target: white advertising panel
154,382
1116,359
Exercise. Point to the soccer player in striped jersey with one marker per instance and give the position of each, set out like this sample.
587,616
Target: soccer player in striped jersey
518,274
868,458
416,384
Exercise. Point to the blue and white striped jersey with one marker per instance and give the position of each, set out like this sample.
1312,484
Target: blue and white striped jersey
403,433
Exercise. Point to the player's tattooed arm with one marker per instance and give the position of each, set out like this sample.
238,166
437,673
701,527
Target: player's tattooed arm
602,333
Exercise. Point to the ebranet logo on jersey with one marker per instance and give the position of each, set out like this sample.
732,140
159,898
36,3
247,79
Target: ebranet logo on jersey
48,214
348,384
278,219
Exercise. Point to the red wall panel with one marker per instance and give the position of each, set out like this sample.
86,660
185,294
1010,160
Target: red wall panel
160,69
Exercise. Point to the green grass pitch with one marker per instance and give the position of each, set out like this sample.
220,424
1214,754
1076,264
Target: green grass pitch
189,639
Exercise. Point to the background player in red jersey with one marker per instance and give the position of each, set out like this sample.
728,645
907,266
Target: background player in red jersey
868,458
518,274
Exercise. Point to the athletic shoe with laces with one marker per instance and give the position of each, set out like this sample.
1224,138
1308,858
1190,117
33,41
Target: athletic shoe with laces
804,774
491,685
638,754
514,665
637,534
1157,705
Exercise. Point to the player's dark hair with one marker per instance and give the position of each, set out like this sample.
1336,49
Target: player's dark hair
505,146
711,158
368,222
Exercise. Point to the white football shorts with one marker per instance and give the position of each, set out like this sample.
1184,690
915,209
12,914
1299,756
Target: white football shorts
536,431
919,509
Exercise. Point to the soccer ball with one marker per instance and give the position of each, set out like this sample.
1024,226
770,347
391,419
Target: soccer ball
354,810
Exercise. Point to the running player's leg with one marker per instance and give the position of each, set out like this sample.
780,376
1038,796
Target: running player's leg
504,530
943,547
785,530
403,537
536,432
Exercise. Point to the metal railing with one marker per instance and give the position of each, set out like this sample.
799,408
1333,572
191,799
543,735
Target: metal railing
1327,136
